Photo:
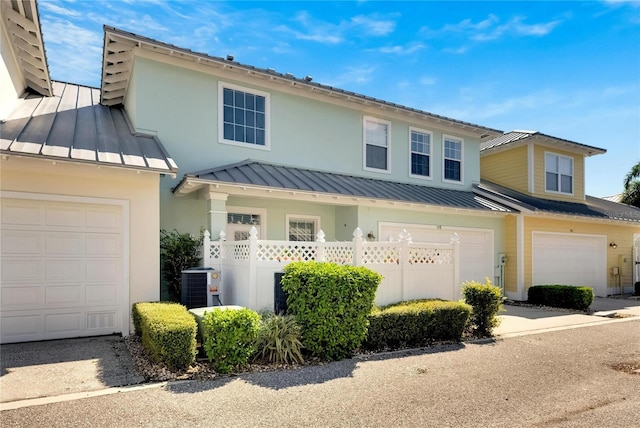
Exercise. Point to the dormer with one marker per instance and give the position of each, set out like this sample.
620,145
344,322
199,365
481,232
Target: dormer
536,164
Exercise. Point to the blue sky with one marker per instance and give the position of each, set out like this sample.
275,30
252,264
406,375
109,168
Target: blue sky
567,69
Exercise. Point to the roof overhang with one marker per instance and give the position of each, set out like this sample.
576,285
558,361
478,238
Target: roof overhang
120,47
544,140
21,21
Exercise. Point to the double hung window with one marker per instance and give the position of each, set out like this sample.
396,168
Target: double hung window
302,228
420,153
376,144
558,173
452,159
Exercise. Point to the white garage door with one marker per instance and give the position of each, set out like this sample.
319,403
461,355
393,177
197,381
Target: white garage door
570,259
476,246
62,269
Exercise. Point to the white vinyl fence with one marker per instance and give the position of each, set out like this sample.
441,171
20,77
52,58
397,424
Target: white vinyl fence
410,270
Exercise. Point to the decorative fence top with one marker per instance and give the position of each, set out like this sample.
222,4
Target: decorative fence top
356,252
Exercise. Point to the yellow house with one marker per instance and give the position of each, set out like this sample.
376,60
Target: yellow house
560,235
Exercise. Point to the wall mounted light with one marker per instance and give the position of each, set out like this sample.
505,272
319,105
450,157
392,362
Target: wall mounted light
371,236
613,245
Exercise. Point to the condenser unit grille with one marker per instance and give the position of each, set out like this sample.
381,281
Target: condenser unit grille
194,289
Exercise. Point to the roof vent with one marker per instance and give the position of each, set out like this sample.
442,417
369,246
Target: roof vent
289,75
229,57
308,78
271,70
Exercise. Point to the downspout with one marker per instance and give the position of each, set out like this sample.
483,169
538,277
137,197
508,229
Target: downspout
520,257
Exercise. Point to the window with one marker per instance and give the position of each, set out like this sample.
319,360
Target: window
420,153
558,173
376,144
452,159
240,220
244,116
302,228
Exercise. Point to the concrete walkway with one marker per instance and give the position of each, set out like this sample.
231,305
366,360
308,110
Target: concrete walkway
521,320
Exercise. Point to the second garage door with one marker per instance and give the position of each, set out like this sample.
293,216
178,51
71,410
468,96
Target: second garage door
63,270
580,260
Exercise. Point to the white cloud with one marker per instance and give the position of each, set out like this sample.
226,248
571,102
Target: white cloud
372,26
427,80
353,76
58,10
402,50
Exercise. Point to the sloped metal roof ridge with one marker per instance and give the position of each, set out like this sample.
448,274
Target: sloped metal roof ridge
122,65
267,175
519,136
593,207
72,126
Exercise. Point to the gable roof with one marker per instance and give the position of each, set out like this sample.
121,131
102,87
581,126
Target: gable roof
592,207
71,125
270,176
22,22
516,138
117,64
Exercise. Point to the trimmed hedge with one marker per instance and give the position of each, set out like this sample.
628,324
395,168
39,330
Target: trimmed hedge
416,323
331,303
229,337
168,332
561,296
486,303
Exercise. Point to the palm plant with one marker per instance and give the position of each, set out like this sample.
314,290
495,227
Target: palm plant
631,194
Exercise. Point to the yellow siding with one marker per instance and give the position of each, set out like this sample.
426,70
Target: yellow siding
507,168
539,175
622,235
511,251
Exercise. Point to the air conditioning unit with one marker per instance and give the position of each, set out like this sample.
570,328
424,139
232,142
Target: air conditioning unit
201,287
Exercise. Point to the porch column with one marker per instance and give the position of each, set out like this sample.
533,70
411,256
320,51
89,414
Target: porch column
216,212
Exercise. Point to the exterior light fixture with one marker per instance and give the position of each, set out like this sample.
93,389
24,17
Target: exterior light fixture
613,245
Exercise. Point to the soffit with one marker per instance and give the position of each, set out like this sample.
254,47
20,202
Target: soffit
22,22
514,139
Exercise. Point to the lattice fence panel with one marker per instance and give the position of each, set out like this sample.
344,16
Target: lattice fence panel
274,251
338,252
381,254
430,255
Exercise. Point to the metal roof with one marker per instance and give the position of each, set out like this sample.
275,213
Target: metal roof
271,176
592,207
514,137
118,61
22,22
72,125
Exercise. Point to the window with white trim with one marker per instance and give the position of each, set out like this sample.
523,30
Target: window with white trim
452,159
558,173
376,144
420,153
302,228
243,116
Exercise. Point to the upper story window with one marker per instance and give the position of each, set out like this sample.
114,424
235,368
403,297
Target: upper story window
558,173
376,144
302,228
452,168
244,116
420,153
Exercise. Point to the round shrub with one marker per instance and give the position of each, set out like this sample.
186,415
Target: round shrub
486,303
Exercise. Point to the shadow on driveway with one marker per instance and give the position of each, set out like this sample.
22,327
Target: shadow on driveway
55,367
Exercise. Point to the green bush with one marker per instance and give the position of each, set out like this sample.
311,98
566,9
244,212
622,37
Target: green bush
561,296
416,323
486,303
332,304
279,340
178,251
229,337
168,332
